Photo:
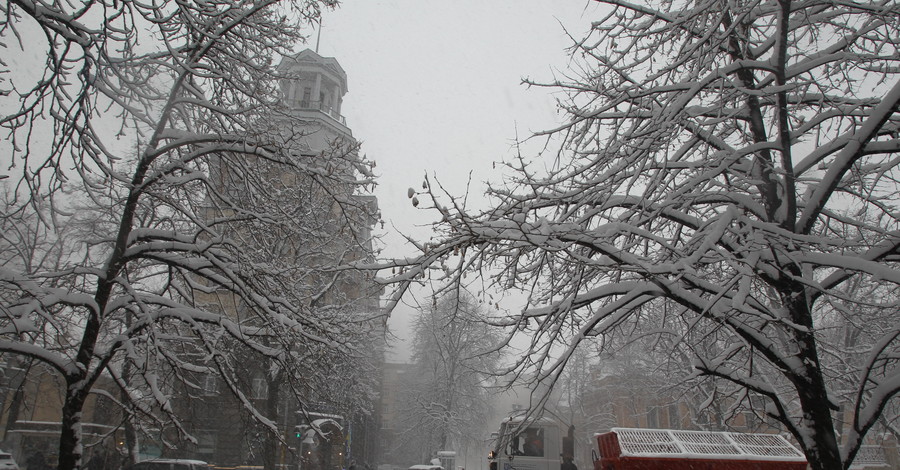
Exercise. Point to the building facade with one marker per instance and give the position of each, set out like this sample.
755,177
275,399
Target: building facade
337,226
216,424
31,398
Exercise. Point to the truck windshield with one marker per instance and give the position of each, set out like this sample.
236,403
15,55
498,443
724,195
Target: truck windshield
527,443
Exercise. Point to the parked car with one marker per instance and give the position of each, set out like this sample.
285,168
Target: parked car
426,467
170,464
7,462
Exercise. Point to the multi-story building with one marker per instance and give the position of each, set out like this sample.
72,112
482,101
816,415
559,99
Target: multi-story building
337,227
394,379
337,223
31,398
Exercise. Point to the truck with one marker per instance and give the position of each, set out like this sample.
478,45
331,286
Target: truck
536,444
669,449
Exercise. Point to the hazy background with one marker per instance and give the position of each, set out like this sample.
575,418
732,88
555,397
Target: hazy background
435,88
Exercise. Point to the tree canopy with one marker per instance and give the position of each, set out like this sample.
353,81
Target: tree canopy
727,182
446,395
163,216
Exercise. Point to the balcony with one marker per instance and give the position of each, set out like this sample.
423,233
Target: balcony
329,111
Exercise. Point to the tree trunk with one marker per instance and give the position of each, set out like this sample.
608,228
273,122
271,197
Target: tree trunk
820,443
271,442
818,438
821,449
16,382
71,446
131,443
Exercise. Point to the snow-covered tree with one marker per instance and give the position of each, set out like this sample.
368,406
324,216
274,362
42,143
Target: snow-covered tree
734,166
445,399
169,225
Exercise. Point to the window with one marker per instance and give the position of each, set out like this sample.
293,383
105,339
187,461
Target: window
674,416
529,443
307,92
210,385
260,388
206,442
653,417
534,442
750,421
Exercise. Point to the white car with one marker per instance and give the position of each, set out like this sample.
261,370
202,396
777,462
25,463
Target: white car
7,462
169,464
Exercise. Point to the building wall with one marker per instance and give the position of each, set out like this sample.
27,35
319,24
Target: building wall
234,438
31,414
223,432
392,383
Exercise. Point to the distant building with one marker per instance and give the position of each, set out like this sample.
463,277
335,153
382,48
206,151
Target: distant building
394,379
312,89
629,397
223,434
31,398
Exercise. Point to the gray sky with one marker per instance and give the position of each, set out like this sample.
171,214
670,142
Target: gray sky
435,87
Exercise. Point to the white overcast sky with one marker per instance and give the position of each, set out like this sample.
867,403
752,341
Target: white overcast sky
435,88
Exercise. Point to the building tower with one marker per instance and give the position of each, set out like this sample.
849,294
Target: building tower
312,88
315,92
338,228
